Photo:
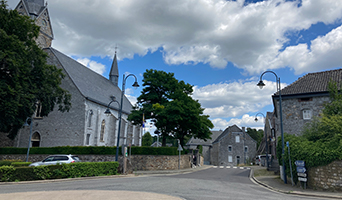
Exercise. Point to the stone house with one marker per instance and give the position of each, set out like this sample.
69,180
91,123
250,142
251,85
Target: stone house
233,147
303,99
86,124
206,145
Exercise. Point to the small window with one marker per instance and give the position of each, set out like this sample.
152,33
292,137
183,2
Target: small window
230,148
88,139
230,158
102,131
306,114
246,149
90,115
237,138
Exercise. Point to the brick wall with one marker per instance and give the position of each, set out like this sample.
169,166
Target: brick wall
327,177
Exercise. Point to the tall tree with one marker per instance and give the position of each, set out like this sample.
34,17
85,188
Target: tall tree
25,78
147,139
169,102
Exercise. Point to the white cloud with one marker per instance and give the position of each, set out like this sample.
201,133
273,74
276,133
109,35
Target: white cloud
245,121
324,51
208,31
93,65
234,99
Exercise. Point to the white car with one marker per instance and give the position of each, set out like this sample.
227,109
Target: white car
56,159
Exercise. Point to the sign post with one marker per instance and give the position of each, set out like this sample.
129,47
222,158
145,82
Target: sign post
288,147
302,176
179,149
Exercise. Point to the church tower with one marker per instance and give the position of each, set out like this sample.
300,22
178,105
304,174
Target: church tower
114,71
37,10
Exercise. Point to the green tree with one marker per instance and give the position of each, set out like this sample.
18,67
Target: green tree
25,78
257,135
147,139
168,102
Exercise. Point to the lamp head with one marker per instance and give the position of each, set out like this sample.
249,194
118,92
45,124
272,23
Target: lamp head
135,84
261,84
256,119
107,112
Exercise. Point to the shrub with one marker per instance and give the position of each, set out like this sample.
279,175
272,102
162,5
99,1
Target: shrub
81,150
7,162
79,169
20,164
7,173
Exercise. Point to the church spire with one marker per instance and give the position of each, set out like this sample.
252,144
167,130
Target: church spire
114,71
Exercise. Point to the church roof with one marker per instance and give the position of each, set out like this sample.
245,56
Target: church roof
92,85
34,6
114,71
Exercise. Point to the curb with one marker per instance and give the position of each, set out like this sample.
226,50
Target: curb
255,180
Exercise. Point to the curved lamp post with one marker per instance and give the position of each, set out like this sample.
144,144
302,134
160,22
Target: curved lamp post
135,84
261,84
256,119
29,144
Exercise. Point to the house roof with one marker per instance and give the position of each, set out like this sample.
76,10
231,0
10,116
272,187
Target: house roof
313,83
196,141
228,130
91,85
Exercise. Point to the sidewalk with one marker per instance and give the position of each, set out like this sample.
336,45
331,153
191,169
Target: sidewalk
273,182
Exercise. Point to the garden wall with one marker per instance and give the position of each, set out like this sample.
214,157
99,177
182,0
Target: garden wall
137,162
327,177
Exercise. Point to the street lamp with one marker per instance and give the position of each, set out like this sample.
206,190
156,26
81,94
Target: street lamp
135,84
261,84
29,144
256,119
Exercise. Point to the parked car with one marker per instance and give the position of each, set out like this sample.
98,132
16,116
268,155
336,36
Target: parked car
261,159
57,159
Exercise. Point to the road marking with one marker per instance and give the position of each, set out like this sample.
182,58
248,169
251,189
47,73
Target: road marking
234,167
228,166
221,167
215,166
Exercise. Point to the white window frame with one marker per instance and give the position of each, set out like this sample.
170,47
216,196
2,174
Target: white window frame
231,148
237,139
230,159
307,114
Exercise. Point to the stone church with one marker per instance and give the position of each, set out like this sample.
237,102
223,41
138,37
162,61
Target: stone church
86,124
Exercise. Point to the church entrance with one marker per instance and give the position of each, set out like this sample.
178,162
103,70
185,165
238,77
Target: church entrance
35,140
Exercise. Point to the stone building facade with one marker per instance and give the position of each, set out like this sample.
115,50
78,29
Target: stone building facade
206,145
38,11
233,147
86,124
303,100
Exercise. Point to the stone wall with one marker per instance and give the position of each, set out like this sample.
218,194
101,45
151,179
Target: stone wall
137,162
327,177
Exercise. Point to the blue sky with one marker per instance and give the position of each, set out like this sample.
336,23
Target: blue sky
220,47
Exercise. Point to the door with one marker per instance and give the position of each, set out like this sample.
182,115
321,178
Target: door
237,160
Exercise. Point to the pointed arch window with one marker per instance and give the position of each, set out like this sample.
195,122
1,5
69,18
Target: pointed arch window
102,130
38,109
90,115
35,140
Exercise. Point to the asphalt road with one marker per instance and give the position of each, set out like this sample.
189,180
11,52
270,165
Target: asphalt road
212,183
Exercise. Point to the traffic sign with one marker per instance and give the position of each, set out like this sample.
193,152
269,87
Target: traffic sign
300,163
180,148
302,179
302,174
287,144
301,169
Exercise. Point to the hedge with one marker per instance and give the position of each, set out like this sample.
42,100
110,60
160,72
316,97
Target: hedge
83,150
72,170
